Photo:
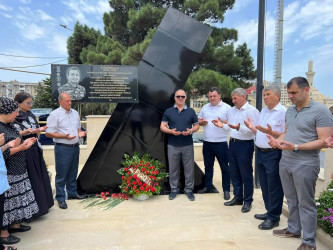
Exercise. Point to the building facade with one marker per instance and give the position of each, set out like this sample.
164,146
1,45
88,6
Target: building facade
10,89
315,94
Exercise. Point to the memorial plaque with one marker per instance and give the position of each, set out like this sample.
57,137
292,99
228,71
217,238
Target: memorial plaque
95,83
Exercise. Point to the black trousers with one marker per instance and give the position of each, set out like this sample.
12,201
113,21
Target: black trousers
271,187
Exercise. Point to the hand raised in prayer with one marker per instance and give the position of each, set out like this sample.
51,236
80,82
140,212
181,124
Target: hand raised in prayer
267,130
187,132
175,132
219,123
82,133
202,121
70,137
234,126
249,124
2,139
14,143
329,142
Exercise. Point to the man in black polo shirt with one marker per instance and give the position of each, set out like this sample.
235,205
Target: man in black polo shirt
179,122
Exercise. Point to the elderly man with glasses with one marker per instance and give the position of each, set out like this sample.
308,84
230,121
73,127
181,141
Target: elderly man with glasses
179,122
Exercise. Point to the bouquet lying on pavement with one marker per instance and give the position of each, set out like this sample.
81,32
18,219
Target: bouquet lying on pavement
139,175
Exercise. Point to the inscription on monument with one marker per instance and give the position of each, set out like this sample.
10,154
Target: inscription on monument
96,83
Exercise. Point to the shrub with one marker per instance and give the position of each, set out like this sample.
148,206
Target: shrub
325,210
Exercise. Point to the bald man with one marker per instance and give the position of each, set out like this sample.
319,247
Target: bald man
65,128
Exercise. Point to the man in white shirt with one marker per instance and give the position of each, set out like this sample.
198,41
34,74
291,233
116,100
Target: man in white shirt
65,128
241,148
215,143
271,122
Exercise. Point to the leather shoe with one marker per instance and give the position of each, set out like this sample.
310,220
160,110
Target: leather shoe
62,204
260,216
233,202
305,246
20,229
76,197
10,240
190,196
226,195
173,195
246,208
268,224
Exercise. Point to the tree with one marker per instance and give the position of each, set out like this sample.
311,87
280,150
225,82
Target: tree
131,24
43,98
82,37
201,81
96,108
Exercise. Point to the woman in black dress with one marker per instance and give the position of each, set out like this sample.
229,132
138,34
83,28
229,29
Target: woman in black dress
4,186
19,201
28,127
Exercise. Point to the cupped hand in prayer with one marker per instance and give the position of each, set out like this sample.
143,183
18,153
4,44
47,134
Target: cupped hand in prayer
14,143
234,126
175,132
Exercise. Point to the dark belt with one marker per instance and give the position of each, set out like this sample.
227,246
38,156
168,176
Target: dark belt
237,140
268,149
67,145
214,142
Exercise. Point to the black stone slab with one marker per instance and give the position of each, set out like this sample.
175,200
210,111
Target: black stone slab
164,68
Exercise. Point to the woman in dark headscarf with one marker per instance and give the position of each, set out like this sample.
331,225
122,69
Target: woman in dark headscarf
4,186
19,200
28,127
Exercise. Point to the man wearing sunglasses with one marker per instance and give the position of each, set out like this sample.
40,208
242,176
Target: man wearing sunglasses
179,123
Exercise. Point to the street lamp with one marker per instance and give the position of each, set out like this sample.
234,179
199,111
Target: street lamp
65,27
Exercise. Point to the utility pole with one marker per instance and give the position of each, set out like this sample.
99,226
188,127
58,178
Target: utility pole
278,43
260,75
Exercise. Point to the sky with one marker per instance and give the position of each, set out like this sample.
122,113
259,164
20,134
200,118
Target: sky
31,34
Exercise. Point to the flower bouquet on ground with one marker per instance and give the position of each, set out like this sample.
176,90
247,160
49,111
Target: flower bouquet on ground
105,200
141,176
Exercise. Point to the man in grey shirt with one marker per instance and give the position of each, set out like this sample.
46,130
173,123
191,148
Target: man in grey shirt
65,128
308,124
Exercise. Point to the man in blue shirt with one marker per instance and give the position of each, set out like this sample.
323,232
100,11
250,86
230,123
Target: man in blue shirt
179,122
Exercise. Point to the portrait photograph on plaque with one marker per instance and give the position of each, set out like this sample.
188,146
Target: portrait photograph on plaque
95,83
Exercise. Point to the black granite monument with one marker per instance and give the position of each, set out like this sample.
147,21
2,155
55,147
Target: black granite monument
164,68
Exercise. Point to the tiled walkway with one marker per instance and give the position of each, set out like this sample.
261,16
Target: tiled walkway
155,224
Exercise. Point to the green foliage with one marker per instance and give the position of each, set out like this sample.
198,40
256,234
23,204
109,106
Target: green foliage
207,10
141,175
247,69
95,108
202,80
43,98
103,200
82,37
140,22
116,21
131,24
325,210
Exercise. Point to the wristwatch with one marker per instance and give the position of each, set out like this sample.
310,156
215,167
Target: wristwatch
296,150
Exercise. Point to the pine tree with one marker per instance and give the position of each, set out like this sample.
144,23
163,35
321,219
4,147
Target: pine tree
131,24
